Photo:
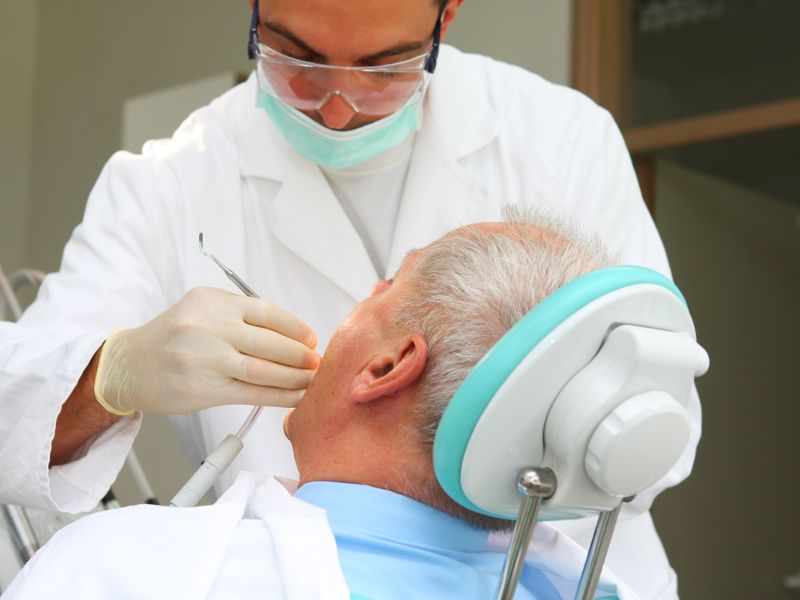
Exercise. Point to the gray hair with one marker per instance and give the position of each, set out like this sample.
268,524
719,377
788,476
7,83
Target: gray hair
475,284
472,286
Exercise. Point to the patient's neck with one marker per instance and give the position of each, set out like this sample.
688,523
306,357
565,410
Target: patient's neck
392,460
378,445
393,463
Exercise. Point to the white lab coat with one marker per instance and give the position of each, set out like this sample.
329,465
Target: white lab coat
492,134
257,541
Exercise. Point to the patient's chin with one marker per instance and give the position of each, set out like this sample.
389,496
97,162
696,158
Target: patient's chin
286,419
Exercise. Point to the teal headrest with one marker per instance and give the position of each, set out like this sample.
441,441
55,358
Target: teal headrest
480,386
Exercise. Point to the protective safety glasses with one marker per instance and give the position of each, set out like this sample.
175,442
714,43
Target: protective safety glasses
372,90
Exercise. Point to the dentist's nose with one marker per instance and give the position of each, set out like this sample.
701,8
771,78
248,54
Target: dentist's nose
337,112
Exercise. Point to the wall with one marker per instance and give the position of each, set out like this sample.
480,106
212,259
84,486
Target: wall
735,254
535,34
94,55
17,62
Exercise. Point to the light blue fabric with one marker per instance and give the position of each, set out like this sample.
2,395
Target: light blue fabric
392,547
340,149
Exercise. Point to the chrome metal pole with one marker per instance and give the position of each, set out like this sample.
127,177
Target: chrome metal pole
135,467
535,485
598,549
21,531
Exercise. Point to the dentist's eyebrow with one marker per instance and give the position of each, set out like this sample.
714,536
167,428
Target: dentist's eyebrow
397,49
403,48
285,32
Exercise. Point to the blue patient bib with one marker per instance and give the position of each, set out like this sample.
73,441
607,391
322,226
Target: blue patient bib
393,547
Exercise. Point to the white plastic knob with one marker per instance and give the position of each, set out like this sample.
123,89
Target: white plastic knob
637,443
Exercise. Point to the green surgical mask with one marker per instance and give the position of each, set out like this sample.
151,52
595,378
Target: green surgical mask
340,149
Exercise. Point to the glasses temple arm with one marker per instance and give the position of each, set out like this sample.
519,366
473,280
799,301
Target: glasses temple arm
252,39
430,64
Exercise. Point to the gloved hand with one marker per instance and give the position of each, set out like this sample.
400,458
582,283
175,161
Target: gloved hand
209,349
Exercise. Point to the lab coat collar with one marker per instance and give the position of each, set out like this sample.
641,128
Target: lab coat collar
459,120
263,152
305,215
458,107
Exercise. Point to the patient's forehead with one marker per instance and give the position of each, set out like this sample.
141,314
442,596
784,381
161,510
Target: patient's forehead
518,231
409,262
526,230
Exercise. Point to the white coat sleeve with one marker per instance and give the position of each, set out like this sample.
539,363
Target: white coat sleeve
603,190
113,274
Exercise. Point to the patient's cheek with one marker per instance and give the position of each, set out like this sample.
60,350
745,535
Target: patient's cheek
341,343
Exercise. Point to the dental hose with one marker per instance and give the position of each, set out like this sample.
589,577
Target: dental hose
223,455
214,464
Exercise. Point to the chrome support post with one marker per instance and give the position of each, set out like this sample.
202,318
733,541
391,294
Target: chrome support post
21,532
535,485
598,549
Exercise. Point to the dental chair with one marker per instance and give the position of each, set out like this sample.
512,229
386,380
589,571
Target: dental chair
580,406
16,527
23,528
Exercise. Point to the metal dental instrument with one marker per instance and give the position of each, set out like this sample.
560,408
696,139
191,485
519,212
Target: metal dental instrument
237,281
222,456
247,291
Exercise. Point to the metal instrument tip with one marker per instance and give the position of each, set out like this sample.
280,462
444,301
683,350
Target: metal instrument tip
200,241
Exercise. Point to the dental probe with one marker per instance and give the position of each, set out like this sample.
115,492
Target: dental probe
237,281
223,455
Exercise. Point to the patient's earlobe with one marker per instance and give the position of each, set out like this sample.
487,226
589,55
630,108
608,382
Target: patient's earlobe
392,372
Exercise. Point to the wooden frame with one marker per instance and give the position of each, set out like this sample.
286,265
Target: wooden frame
716,126
601,69
601,53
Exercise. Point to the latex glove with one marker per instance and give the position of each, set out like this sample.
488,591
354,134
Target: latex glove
211,348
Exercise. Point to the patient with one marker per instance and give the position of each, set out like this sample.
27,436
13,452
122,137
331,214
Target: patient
369,519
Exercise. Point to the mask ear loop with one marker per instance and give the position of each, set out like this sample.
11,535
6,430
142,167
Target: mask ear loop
252,40
433,56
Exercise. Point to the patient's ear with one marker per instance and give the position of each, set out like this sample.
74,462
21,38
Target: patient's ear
392,372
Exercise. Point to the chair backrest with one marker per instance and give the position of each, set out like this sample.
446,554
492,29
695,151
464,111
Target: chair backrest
592,383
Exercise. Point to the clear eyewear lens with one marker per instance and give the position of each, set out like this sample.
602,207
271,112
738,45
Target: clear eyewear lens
377,90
